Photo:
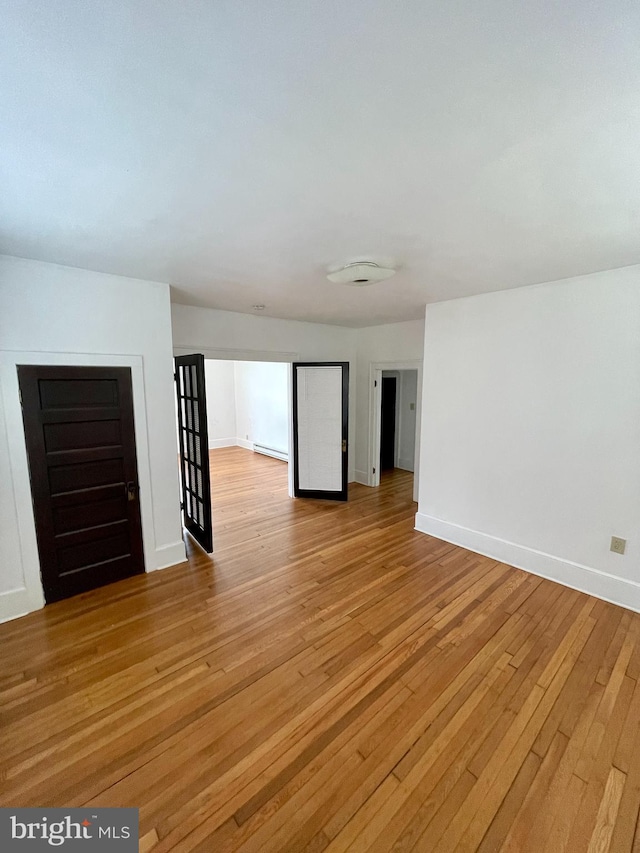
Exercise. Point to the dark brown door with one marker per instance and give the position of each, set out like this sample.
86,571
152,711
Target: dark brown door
80,439
388,424
194,448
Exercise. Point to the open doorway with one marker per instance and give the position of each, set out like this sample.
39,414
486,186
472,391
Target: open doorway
394,415
255,406
241,405
398,420
289,411
248,406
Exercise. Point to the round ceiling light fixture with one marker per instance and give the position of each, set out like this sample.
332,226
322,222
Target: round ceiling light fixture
360,274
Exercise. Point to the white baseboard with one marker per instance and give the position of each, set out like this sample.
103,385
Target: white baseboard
222,442
16,603
169,555
610,588
215,443
19,602
362,477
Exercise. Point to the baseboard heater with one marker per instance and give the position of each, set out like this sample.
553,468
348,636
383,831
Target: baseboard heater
271,451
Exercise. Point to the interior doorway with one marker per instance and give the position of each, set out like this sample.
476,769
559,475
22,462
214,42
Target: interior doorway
394,416
246,405
274,408
398,398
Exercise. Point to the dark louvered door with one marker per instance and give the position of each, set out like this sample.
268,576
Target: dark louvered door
194,449
82,461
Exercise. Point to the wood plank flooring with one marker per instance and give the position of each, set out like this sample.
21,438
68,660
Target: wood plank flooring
330,681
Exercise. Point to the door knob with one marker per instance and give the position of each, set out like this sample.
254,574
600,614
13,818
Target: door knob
131,490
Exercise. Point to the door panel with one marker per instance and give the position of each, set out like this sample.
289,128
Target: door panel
78,393
79,432
194,448
69,518
74,436
388,424
85,475
320,429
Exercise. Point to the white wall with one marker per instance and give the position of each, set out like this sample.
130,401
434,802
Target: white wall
244,337
247,403
530,445
390,345
262,403
57,315
221,402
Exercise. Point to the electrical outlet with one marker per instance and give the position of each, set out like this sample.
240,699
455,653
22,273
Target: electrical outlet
618,545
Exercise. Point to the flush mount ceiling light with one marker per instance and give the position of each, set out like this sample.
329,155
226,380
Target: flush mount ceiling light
360,274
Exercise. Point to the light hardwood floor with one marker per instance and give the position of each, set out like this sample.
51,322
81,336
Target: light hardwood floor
330,681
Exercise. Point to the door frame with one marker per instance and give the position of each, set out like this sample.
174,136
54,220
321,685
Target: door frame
375,407
230,354
28,594
223,354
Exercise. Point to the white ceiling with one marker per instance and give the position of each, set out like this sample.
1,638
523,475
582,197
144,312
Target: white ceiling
239,149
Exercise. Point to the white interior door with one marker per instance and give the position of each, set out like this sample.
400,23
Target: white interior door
320,429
